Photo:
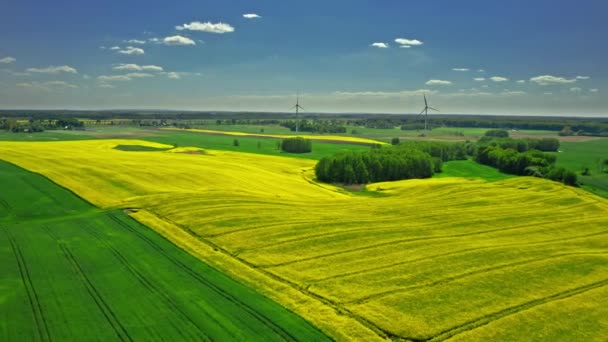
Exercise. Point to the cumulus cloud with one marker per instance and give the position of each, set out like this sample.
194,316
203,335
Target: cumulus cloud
54,70
480,70
173,75
498,79
583,77
513,93
402,93
594,90
206,27
131,50
438,82
251,16
551,80
47,85
105,85
479,79
521,81
460,69
576,89
380,45
135,41
138,75
7,60
178,40
409,42
135,67
113,78
115,48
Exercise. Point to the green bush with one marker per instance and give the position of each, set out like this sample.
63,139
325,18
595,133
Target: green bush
296,145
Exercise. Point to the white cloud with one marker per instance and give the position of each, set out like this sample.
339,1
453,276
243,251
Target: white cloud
115,48
131,50
152,68
47,85
521,81
86,77
60,84
138,75
135,67
135,41
102,47
251,16
178,40
438,82
485,86
479,79
513,93
112,78
551,80
583,77
380,45
105,85
548,93
594,90
206,27
154,40
173,75
499,79
411,42
480,70
7,60
460,69
405,46
576,89
402,93
54,70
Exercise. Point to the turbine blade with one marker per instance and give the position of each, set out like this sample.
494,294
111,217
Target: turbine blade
434,109
300,107
425,103
422,112
292,107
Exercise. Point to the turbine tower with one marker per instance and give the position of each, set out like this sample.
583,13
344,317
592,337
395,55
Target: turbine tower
425,110
297,106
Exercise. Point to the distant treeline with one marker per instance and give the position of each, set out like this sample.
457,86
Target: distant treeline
406,161
315,126
33,126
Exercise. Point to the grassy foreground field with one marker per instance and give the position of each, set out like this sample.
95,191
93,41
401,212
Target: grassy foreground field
71,271
514,259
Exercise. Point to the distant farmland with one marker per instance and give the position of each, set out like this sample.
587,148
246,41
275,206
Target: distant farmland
71,271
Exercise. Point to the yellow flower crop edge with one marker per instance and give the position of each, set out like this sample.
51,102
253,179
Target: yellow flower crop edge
336,138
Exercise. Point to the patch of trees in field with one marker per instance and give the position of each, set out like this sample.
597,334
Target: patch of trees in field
404,161
296,145
524,157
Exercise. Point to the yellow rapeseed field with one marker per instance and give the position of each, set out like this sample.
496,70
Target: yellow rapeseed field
445,258
333,138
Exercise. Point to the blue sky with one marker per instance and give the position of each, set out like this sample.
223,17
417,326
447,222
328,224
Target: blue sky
479,57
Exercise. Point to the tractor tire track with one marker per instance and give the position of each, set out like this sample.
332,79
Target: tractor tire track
151,287
398,241
464,275
458,252
32,294
487,319
216,289
105,309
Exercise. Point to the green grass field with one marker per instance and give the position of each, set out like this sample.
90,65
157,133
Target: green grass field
71,271
471,169
578,155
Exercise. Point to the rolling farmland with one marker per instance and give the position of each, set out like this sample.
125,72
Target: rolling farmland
518,258
71,271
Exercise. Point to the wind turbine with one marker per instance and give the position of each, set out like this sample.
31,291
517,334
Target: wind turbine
425,110
297,106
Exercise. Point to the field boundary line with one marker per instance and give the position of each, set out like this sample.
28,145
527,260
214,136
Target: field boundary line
228,296
336,321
